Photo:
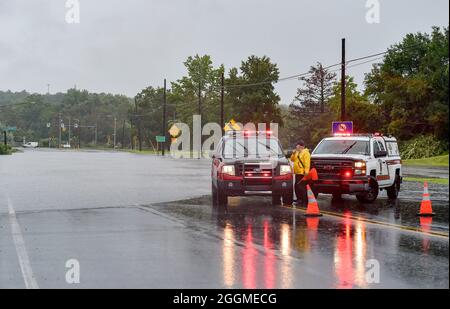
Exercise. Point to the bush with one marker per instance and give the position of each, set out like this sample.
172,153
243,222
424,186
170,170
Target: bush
4,150
423,147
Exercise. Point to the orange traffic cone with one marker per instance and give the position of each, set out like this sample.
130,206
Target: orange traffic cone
425,206
313,206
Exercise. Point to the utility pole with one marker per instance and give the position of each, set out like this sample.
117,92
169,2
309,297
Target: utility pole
115,131
343,86
164,117
60,127
5,141
200,99
139,124
70,120
95,140
200,112
123,134
222,90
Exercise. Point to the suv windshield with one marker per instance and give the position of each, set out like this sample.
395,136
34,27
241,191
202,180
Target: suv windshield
343,147
252,147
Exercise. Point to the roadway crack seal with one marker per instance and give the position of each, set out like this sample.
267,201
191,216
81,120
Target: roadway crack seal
380,223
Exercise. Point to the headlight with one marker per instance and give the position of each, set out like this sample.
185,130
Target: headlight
360,168
228,169
285,170
360,165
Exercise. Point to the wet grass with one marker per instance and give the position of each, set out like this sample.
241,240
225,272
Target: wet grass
440,181
440,161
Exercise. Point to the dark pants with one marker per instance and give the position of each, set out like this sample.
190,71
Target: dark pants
300,189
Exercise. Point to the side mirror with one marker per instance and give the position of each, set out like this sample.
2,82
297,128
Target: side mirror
380,154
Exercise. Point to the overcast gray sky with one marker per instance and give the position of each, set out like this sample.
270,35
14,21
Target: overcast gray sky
123,46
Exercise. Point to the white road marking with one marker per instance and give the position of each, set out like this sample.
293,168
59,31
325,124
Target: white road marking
19,243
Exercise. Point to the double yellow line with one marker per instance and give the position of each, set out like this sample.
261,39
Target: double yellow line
380,223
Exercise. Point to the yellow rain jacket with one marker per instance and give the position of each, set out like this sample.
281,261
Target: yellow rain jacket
302,161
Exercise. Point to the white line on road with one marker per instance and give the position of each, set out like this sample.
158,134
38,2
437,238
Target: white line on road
19,243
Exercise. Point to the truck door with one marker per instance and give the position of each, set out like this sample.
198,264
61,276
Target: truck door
383,177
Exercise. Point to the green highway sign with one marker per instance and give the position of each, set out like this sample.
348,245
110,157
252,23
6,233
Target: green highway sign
160,139
9,129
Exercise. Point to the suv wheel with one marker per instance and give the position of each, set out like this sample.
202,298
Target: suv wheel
276,200
393,190
371,195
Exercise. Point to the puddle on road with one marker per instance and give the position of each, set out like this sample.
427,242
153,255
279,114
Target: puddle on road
338,246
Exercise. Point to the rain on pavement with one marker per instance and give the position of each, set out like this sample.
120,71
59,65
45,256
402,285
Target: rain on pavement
138,221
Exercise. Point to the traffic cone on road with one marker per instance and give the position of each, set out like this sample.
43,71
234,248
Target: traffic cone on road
313,206
425,207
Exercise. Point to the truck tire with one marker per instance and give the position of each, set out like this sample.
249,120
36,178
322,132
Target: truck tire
288,198
371,195
222,198
393,190
276,200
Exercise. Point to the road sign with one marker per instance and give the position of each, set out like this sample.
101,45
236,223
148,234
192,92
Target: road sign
174,131
232,126
11,129
160,139
342,127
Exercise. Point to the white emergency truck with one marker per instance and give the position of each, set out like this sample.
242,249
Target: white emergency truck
358,164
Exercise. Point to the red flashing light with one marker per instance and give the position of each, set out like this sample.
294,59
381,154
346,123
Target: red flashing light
347,174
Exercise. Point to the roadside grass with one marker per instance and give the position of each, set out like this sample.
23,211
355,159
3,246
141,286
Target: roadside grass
440,161
439,181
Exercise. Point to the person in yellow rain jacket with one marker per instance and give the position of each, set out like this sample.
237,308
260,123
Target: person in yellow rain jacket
301,158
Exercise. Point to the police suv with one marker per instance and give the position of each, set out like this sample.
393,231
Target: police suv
361,165
251,163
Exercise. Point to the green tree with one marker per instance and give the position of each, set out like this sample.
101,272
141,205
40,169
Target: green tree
411,86
203,77
251,94
317,89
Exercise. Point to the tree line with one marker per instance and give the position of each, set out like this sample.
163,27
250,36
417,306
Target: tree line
405,94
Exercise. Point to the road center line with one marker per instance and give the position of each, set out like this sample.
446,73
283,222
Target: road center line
22,255
380,223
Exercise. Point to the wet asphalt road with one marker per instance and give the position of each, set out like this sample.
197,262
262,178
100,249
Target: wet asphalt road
137,221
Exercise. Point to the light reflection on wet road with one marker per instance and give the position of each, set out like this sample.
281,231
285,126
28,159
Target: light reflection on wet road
334,249
118,223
